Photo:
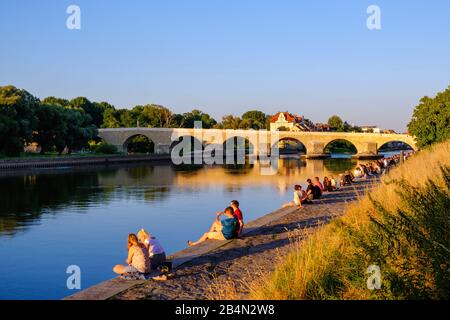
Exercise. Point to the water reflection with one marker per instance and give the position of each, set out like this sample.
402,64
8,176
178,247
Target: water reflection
82,215
339,165
23,197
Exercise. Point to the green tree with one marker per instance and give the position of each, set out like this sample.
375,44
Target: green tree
256,119
187,119
335,123
80,129
231,122
154,116
430,122
17,119
52,128
60,127
111,118
91,108
128,118
56,101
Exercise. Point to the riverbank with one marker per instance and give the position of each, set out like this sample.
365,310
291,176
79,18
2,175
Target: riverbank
401,230
204,272
75,161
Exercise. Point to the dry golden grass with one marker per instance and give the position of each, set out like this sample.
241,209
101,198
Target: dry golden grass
222,287
325,260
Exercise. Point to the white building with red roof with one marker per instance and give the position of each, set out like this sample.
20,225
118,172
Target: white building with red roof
287,121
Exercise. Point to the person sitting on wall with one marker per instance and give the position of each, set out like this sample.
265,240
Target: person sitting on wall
327,184
318,183
347,178
137,261
313,192
300,197
238,214
334,183
156,252
221,229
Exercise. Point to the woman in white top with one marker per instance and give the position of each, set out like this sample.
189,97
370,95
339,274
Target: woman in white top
299,197
155,250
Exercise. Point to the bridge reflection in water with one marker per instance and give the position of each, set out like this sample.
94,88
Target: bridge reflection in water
24,196
82,216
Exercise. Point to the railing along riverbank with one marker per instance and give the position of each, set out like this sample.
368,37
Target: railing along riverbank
76,161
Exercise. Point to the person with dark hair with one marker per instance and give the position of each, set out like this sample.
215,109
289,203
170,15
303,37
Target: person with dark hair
318,184
327,184
313,191
238,214
221,229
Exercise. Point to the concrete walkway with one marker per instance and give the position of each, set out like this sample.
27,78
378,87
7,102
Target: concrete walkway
110,288
263,239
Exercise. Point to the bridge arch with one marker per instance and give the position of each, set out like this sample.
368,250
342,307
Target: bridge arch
367,144
341,146
194,143
239,143
139,143
394,145
290,144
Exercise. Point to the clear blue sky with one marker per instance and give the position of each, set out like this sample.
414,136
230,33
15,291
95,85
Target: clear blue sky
315,58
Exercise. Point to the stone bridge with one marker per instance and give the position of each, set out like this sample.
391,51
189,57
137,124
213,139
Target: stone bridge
366,144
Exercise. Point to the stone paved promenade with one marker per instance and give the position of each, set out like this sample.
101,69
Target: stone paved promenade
244,260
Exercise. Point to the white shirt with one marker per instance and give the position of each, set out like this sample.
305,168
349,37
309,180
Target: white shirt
297,199
333,182
154,247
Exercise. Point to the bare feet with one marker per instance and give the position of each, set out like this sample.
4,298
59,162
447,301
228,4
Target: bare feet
190,243
163,277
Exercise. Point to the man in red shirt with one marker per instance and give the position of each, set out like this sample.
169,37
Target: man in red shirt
238,214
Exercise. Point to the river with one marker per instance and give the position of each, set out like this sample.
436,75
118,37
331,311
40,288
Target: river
51,219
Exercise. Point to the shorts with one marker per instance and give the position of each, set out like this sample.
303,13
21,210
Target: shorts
218,227
216,235
157,260
131,269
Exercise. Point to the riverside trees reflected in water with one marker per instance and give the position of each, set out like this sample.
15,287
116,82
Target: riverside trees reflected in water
50,219
25,196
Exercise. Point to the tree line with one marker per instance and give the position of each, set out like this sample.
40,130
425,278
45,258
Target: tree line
153,115
25,119
57,124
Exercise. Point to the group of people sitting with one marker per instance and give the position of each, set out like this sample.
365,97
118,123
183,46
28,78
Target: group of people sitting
314,190
145,253
228,228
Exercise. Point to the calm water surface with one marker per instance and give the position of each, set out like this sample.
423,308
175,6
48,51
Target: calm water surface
50,219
